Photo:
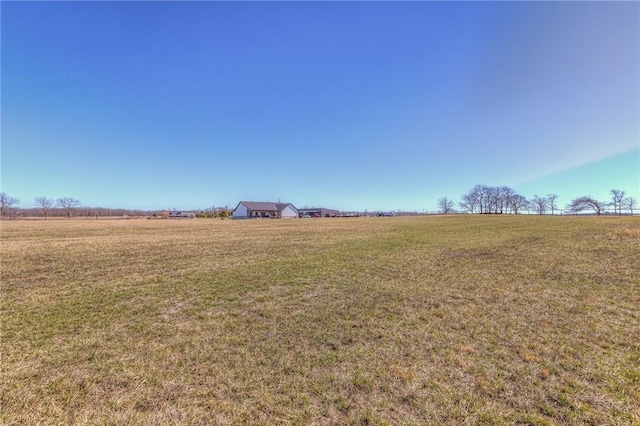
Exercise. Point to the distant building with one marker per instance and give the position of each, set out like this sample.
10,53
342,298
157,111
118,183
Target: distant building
318,212
181,215
268,210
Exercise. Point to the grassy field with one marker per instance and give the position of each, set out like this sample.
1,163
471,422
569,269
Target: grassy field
431,320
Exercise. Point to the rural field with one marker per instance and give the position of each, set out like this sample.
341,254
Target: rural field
419,320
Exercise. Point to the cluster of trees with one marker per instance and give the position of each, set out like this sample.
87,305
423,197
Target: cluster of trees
493,199
215,213
619,203
485,199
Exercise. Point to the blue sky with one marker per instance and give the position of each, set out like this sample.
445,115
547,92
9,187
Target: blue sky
348,105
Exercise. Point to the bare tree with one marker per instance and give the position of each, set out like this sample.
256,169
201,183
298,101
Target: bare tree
45,204
478,198
446,206
630,203
493,196
517,202
551,199
468,203
506,199
6,203
586,202
68,204
617,198
539,204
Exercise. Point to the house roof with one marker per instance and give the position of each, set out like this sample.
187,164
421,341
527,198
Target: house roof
265,206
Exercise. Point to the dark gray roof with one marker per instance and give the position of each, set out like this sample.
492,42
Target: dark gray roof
265,206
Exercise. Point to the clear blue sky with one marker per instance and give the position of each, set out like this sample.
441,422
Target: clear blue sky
348,105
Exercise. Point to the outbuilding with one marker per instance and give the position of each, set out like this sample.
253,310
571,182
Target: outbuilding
181,215
318,212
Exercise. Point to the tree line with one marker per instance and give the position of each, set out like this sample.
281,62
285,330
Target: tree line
68,206
61,207
483,199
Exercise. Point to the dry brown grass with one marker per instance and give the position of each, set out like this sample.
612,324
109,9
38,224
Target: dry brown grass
629,232
437,320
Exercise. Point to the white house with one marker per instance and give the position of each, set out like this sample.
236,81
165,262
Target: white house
260,209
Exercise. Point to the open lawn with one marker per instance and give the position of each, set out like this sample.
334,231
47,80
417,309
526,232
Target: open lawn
424,320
